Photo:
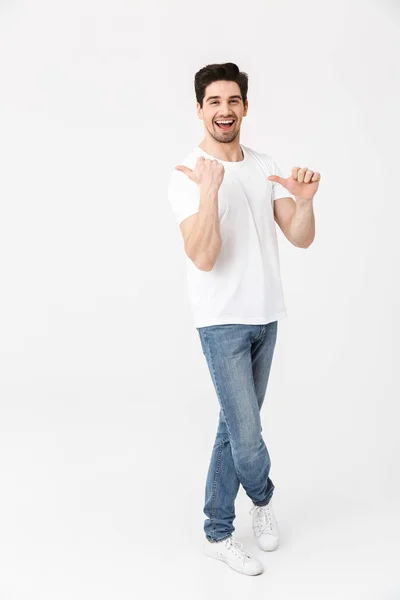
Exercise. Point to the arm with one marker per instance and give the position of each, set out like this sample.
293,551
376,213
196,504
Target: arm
296,220
201,232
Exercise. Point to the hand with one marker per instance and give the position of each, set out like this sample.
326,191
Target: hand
208,174
303,183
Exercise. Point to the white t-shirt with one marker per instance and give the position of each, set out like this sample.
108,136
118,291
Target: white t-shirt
244,285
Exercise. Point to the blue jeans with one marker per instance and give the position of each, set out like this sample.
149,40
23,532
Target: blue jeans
239,358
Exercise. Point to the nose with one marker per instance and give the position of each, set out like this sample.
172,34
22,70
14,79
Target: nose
225,110
226,114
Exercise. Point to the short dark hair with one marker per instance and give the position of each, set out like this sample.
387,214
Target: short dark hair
217,72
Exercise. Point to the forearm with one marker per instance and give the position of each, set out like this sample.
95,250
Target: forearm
204,242
302,225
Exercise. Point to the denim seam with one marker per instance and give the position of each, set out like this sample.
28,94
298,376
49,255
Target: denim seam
262,332
214,492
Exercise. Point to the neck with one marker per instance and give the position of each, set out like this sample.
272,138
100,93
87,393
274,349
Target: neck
229,151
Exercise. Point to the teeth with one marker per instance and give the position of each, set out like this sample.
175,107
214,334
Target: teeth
226,122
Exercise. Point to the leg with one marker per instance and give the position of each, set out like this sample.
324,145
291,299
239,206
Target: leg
222,486
262,353
239,453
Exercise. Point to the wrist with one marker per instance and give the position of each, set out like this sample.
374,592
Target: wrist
301,200
208,193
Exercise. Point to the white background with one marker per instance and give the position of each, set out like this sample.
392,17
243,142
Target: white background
108,414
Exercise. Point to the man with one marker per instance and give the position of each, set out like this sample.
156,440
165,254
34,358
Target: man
226,198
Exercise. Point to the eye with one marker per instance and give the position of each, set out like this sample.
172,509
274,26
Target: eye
216,102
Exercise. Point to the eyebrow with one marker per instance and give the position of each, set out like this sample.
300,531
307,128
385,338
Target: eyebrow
214,97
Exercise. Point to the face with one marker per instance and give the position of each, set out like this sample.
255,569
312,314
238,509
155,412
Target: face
222,101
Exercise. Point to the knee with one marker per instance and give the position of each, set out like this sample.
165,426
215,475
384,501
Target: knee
246,448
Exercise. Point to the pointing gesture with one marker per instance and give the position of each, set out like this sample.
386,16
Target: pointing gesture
208,174
303,183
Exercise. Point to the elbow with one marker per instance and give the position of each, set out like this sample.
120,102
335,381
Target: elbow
201,262
206,262
311,240
305,245
204,266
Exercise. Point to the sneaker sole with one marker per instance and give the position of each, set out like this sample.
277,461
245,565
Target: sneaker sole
211,554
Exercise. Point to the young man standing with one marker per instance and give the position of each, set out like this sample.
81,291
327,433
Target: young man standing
226,198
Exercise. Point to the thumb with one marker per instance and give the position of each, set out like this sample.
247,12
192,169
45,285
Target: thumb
185,170
278,179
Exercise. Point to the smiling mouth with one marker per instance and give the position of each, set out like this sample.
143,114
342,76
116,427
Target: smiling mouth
225,126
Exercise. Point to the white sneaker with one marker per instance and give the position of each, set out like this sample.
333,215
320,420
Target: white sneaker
231,551
265,526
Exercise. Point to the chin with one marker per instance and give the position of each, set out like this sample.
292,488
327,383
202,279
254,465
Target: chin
225,138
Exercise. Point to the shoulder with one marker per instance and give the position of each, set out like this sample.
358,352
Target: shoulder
260,157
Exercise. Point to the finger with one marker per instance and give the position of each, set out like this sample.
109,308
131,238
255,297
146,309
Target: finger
308,176
300,174
276,178
295,171
316,176
185,170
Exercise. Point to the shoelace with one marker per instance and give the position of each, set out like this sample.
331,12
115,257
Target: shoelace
263,518
236,547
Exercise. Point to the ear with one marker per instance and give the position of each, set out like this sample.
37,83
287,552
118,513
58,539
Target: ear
246,106
199,111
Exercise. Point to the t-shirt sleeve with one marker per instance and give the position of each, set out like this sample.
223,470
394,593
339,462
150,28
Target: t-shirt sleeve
183,196
278,191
